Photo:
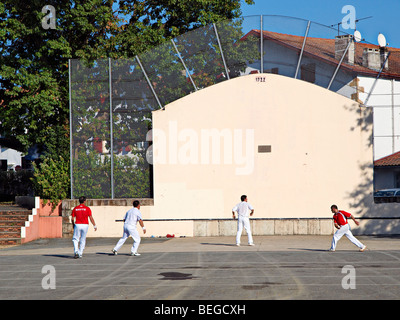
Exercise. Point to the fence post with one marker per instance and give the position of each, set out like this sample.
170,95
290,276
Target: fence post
111,128
70,129
149,83
261,45
222,53
302,49
184,65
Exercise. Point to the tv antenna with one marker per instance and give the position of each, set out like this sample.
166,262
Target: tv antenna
338,24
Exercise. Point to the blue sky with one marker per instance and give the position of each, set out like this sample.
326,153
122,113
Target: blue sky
385,14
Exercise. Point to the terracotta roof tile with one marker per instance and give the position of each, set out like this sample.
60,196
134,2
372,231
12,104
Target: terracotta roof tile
391,160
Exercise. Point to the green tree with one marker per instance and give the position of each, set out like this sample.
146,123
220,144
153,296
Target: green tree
34,96
148,23
34,66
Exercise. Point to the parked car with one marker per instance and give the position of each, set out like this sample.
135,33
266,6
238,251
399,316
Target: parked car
387,195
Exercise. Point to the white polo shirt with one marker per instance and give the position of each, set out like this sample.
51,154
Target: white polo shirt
133,216
243,209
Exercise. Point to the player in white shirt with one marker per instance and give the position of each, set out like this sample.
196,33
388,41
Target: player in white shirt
132,217
243,208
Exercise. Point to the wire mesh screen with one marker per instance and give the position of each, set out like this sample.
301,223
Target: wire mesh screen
111,104
240,44
166,73
282,43
199,49
90,129
112,100
132,103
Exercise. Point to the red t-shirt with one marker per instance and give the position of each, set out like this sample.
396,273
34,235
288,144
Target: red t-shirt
81,213
340,217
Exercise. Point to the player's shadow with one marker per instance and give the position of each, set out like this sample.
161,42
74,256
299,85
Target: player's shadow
218,244
308,249
112,254
59,256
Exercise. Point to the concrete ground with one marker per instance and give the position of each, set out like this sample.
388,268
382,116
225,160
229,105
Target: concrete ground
203,268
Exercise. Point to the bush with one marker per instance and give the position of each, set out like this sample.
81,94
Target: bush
51,179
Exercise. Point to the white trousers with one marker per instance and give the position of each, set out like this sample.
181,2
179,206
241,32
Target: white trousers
79,238
129,231
345,231
243,222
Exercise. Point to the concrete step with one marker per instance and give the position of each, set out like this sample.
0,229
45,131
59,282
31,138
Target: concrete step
10,234
10,228
12,218
15,212
12,223
9,241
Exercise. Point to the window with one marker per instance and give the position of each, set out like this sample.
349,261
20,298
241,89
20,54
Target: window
397,179
308,72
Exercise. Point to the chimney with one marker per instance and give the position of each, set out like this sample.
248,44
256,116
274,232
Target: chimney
374,58
341,43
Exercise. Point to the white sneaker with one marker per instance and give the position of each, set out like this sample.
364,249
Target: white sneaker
363,249
251,244
136,254
114,252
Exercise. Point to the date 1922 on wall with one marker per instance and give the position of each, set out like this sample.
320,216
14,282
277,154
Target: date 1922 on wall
260,79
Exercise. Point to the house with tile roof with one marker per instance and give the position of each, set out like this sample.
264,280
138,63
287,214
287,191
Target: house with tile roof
387,172
367,73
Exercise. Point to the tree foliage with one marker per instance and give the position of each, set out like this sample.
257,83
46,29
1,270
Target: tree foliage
51,179
34,96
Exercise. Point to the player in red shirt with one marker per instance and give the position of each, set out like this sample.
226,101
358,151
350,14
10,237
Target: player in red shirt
340,221
79,217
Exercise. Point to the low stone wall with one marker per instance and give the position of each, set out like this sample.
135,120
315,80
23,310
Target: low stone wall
261,227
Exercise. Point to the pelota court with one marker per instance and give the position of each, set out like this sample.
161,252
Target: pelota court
203,268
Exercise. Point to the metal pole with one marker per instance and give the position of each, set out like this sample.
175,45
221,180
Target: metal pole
261,45
222,53
184,65
378,76
149,83
340,63
70,129
393,122
111,129
302,49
